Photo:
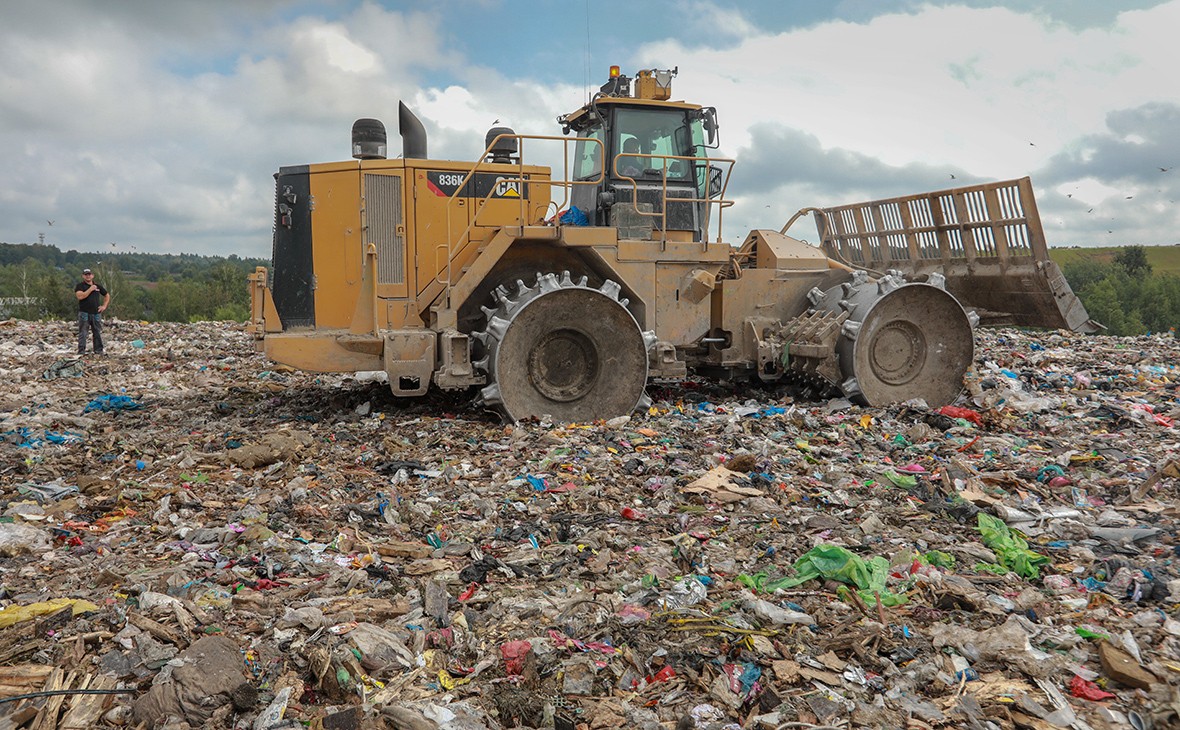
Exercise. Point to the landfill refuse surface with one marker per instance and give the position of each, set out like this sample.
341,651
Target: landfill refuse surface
191,537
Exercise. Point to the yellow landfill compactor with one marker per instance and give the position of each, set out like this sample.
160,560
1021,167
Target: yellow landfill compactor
562,295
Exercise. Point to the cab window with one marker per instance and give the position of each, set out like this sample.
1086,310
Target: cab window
664,133
587,155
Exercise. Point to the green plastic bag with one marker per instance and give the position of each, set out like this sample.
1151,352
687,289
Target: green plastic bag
833,562
990,568
939,559
905,481
1010,547
756,582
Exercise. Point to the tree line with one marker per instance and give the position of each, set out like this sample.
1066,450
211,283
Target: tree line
1126,294
37,282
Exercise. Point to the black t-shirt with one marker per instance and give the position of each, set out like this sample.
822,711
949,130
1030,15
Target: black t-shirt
91,303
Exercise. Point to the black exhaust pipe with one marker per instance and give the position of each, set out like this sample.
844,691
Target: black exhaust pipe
412,132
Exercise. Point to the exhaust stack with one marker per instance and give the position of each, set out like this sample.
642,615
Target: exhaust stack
412,132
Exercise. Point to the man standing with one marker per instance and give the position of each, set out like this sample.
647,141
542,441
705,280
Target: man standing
92,302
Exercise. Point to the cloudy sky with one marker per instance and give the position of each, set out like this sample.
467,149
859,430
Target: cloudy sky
154,125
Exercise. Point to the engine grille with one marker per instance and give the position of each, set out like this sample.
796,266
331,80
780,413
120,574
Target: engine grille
383,221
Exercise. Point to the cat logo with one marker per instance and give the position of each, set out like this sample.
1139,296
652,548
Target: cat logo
507,188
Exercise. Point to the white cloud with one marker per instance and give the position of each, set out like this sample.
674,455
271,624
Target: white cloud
159,124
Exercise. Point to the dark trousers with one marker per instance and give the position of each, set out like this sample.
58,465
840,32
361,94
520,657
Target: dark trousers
93,323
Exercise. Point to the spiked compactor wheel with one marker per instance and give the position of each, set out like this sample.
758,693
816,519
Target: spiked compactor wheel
900,340
563,349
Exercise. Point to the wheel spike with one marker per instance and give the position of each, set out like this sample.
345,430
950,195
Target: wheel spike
501,356
497,326
549,282
491,395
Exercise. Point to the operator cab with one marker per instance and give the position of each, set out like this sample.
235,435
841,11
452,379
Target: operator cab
640,159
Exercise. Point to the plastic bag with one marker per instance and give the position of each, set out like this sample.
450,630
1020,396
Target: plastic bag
15,614
112,402
833,562
574,217
1010,548
1087,690
16,538
965,414
685,592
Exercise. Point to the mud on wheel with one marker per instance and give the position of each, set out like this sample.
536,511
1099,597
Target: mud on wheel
563,349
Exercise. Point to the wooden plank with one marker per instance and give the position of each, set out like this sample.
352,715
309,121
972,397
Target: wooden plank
47,718
157,629
18,717
85,710
22,679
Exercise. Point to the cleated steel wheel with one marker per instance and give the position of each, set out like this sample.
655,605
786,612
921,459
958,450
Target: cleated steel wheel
563,349
900,340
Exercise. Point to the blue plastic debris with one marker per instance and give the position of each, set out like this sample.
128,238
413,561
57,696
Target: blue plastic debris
112,403
66,437
574,217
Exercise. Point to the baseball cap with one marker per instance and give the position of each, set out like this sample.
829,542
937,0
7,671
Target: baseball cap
87,271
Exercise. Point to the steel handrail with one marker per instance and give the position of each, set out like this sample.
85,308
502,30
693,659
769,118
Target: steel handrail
565,183
719,200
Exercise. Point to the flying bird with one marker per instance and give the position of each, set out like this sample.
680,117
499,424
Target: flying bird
1069,195
49,222
1090,210
1162,169
1030,144
1129,197
952,176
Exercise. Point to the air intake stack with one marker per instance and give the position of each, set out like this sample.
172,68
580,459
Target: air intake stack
368,140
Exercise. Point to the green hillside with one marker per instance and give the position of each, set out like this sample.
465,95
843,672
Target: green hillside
1163,259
